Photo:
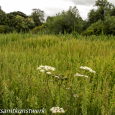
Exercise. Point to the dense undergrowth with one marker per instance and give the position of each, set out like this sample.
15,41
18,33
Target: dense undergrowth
23,86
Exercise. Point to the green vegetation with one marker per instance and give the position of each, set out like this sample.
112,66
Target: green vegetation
99,21
23,86
64,42
66,21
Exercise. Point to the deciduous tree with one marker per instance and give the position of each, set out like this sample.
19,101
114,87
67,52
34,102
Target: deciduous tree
66,21
38,16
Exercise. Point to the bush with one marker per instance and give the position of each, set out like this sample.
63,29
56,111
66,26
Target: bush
95,29
37,29
65,21
88,32
6,29
1,29
110,23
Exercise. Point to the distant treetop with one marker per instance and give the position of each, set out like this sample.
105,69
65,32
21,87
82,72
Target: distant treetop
18,13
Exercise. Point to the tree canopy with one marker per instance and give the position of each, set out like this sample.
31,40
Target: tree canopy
66,21
38,16
98,21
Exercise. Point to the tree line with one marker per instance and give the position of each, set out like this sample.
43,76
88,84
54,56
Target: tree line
99,21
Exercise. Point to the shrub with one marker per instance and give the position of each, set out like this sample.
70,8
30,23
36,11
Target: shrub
110,23
37,29
1,29
65,21
95,28
6,29
88,32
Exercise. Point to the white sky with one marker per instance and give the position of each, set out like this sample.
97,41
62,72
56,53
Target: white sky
50,7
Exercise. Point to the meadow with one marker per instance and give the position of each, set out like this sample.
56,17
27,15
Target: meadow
24,86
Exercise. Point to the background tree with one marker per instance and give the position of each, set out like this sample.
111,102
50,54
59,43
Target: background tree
30,22
4,28
20,24
104,4
12,17
110,23
38,16
18,13
96,28
103,8
66,21
3,17
95,15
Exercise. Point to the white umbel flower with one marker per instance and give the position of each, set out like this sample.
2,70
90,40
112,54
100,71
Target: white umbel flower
57,110
48,72
75,95
40,67
56,76
77,74
87,68
46,67
53,69
42,70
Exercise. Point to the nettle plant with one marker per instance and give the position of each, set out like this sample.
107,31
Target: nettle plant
49,71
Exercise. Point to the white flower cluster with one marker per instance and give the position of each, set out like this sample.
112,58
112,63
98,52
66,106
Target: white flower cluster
87,68
77,74
57,110
76,95
56,76
46,68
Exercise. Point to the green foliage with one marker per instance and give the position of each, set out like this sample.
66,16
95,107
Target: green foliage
38,29
99,21
95,15
3,18
96,28
23,86
1,29
104,8
18,13
30,23
20,24
6,29
11,20
88,32
65,21
110,23
112,12
91,17
104,4
16,20
105,12
55,24
38,16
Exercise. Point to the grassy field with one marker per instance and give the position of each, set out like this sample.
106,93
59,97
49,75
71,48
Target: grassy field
23,86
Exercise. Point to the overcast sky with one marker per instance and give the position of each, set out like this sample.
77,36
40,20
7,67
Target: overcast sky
50,7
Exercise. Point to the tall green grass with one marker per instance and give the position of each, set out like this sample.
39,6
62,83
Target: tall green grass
22,86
